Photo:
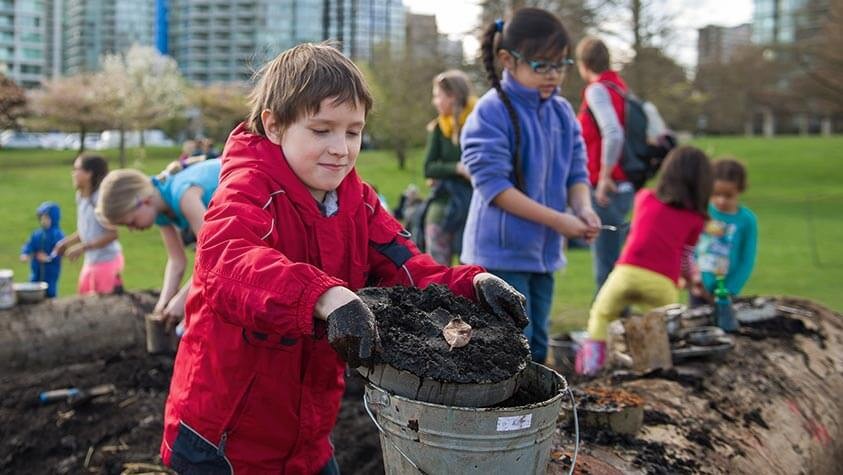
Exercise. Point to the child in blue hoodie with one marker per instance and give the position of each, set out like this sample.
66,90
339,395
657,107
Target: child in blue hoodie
524,150
38,250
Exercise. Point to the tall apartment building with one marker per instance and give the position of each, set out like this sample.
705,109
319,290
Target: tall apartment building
22,33
227,40
718,44
93,28
361,26
786,21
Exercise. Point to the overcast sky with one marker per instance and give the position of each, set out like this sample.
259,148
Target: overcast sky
458,17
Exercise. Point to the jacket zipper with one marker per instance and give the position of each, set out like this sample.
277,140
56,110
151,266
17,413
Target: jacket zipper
219,448
234,419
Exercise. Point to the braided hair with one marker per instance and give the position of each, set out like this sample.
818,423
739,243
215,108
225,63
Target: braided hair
532,32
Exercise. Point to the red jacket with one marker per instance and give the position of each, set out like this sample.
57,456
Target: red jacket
255,376
591,131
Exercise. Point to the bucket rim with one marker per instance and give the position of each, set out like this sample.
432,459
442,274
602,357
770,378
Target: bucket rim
562,384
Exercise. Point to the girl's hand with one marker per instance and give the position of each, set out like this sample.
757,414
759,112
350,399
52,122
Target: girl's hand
75,251
173,312
591,219
570,226
60,247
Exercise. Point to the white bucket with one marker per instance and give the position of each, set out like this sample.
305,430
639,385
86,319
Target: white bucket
7,290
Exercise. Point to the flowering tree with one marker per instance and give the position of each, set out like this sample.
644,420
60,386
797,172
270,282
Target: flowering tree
144,89
71,103
221,107
12,103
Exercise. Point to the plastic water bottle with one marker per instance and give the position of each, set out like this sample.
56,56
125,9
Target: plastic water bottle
723,313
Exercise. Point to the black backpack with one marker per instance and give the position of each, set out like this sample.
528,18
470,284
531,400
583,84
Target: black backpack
641,160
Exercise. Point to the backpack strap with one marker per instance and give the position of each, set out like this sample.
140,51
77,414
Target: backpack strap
614,87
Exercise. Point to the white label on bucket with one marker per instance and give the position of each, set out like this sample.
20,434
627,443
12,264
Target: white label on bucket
506,424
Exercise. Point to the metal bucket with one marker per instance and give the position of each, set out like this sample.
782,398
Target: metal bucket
7,289
420,437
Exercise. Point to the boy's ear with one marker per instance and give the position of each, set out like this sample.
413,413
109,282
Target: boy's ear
271,126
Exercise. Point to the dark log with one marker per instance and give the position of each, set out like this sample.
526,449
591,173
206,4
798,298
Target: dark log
69,329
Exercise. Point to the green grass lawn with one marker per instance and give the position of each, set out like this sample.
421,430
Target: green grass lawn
795,190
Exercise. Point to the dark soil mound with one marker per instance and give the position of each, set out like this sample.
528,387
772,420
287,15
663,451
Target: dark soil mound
410,323
126,426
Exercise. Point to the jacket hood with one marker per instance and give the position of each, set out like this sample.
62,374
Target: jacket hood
247,150
52,210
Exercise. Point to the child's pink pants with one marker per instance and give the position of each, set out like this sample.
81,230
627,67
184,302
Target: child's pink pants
101,277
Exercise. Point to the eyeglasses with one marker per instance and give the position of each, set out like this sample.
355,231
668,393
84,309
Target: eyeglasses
543,67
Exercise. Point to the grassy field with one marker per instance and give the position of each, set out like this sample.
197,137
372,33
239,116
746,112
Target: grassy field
795,190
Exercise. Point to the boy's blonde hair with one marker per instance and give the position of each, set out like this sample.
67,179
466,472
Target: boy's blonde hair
299,79
120,192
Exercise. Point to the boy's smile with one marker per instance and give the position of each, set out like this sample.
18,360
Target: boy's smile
322,148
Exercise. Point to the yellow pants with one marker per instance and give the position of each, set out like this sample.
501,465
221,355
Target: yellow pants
625,286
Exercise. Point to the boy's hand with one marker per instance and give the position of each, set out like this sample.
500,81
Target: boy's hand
605,187
42,257
500,298
352,333
24,257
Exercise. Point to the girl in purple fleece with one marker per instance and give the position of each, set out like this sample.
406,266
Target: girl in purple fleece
524,150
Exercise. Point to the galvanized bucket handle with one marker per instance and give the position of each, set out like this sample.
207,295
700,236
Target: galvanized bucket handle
385,435
384,395
576,424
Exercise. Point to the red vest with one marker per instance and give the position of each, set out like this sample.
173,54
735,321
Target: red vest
254,372
591,132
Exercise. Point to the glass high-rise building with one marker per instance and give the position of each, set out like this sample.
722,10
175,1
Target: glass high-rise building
228,40
786,21
93,28
22,33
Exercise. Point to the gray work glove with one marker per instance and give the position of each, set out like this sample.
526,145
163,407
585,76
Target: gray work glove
500,298
353,334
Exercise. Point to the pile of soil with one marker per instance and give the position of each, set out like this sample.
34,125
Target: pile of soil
770,403
410,323
122,431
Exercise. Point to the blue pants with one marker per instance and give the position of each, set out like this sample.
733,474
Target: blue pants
538,288
607,247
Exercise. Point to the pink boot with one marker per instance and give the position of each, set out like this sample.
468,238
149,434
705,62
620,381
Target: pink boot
591,357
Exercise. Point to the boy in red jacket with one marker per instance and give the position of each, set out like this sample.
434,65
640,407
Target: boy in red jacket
271,317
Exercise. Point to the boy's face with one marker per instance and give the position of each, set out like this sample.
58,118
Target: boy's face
45,221
725,196
322,148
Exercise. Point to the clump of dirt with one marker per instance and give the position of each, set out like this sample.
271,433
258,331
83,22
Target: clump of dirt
652,457
410,323
653,417
603,398
780,326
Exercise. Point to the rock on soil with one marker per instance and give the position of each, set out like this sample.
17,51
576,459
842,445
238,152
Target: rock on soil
410,323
